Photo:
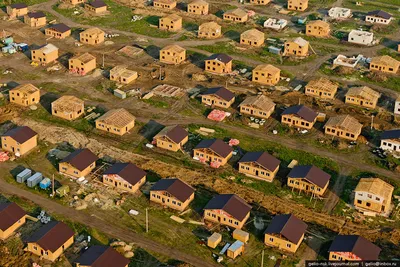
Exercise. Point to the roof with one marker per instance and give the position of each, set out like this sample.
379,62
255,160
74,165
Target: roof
300,41
302,111
198,2
357,245
216,145
221,92
311,173
97,4
47,49
175,133
261,102
253,34
386,60
231,204
80,159
268,68
319,23
174,48
60,27
122,71
345,122
21,134
117,117
127,171
224,58
262,158
36,15
51,236
165,1
287,225
68,103
19,5
93,31
84,58
210,26
26,88
177,188
102,256
364,92
361,33
375,186
236,12
323,84
10,213
380,14
391,134
172,17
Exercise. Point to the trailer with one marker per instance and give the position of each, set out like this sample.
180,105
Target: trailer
45,183
34,179
62,191
24,175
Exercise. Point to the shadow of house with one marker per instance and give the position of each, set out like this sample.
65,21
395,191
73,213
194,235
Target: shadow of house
47,99
233,35
75,33
153,51
12,84
150,129
181,6
197,59
153,20
64,59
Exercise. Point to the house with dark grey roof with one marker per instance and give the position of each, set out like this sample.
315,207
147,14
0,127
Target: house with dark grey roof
285,232
299,116
227,209
19,140
17,10
353,248
35,19
78,164
11,218
96,6
58,31
101,256
390,141
172,138
219,97
124,176
172,193
214,151
259,165
51,240
219,64
309,179
378,17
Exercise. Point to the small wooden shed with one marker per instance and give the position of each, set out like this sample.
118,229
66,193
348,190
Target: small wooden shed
241,235
235,249
214,240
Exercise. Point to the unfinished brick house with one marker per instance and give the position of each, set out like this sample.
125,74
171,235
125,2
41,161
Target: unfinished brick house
172,193
353,248
58,31
299,116
318,28
308,179
172,54
101,256
171,138
68,107
35,19
78,164
297,48
164,4
25,95
198,7
125,176
362,96
252,37
343,126
218,97
12,217
92,36
266,74
236,15
209,30
122,75
227,209
219,64
17,10
45,54
172,23
322,88
82,64
214,151
96,6
385,64
19,140
116,121
259,165
259,106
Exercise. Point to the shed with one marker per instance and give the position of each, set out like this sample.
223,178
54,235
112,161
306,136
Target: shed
24,175
235,249
34,179
62,191
120,94
214,240
274,50
45,183
241,235
8,40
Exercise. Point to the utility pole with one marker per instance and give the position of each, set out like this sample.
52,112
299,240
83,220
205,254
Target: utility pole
52,186
147,221
103,60
262,258
160,73
372,122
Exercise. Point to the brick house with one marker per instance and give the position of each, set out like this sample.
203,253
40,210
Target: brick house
297,48
297,5
17,10
164,4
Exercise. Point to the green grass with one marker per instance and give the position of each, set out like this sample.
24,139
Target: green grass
4,3
157,103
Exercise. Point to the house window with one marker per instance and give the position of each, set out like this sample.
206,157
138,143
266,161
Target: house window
271,239
288,245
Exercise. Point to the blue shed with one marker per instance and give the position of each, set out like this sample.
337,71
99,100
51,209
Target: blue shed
45,183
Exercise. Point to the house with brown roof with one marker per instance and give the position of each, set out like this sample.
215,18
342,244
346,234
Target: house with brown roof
227,209
259,106
297,48
218,64
101,256
124,176
171,22
362,96
51,240
236,15
259,165
12,217
74,2
318,28
378,17
164,4
78,164
25,95
116,121
19,140
309,179
172,54
58,31
219,97
172,193
213,150
390,142
285,232
385,64
322,88
299,116
82,64
68,107
123,75
92,36
198,7
297,5
35,19
171,138
96,6
353,248
45,54
266,74
209,30
252,37
373,195
17,10
260,2
343,126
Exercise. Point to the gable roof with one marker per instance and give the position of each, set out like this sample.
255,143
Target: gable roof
84,58
102,256
21,134
323,84
175,133
117,117
60,27
364,92
236,12
222,92
216,145
36,15
261,102
311,173
97,3
287,225
380,14
386,60
10,213
174,48
357,245
224,58
375,186
319,23
391,134
211,26
172,17
26,88
300,41
302,111
68,103
262,158
230,203
80,159
51,236
253,34
92,31
19,5
268,68
345,122
127,171
175,187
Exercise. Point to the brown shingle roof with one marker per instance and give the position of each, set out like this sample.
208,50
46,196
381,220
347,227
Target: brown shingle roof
221,92
21,134
261,102
323,84
80,159
364,92
68,103
175,133
127,171
61,27
175,187
102,256
302,111
117,117
375,186
224,58
345,122
288,226
357,245
217,146
97,4
230,203
262,158
312,174
10,213
19,5
36,15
